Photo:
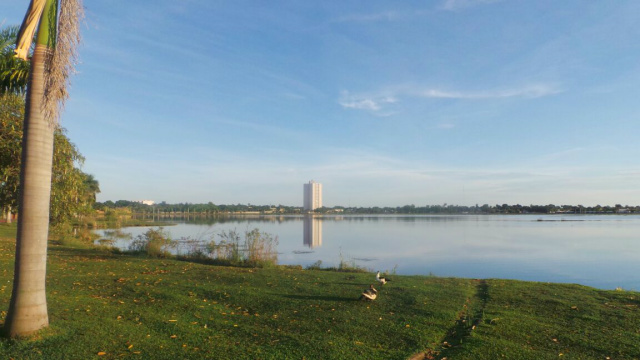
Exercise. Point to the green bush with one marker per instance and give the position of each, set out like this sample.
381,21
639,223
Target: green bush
74,235
258,248
154,243
261,248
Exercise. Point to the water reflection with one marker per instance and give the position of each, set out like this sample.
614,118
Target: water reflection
595,250
312,231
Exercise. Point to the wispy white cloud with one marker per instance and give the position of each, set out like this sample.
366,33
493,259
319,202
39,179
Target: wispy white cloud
378,104
374,104
454,5
529,91
382,16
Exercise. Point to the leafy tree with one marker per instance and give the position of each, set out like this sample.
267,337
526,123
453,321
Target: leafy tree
11,117
51,65
73,191
91,188
13,80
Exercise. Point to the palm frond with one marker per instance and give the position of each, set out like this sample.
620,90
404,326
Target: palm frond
14,72
8,36
64,58
28,28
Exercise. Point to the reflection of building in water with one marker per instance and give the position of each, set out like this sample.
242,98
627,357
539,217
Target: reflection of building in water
312,231
312,196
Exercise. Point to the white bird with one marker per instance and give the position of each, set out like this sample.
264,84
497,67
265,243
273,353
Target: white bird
369,294
381,280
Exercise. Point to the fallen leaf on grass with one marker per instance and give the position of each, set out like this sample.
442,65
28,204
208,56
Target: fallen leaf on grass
101,353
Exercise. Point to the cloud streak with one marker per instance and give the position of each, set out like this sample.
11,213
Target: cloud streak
454,5
381,16
378,104
531,91
372,104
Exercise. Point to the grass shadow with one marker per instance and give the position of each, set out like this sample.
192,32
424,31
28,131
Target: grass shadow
89,252
468,318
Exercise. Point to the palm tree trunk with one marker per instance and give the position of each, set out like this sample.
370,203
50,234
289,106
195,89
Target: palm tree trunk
28,308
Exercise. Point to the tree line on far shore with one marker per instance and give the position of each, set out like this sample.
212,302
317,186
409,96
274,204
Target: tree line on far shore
211,208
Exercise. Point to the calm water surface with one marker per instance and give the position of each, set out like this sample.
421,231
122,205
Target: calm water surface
602,251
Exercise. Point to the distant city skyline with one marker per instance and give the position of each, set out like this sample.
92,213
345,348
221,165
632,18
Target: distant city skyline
617,207
386,103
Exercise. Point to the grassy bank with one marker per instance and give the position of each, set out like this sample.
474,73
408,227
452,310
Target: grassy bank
108,306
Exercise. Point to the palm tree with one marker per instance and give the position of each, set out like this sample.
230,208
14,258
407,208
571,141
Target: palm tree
91,187
51,65
13,71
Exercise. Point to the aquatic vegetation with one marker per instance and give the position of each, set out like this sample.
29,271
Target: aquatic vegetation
154,242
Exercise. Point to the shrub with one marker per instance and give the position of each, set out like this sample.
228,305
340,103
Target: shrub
315,266
261,248
155,243
73,235
258,248
228,248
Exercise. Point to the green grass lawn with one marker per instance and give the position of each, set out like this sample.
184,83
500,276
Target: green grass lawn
109,306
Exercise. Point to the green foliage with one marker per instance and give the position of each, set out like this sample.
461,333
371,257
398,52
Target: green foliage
227,249
67,183
208,209
69,234
72,191
14,72
258,248
315,266
117,234
11,117
154,243
349,266
261,247
343,266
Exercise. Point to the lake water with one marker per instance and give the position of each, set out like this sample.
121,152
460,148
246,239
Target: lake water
601,251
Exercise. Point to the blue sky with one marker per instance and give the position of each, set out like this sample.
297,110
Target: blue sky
384,103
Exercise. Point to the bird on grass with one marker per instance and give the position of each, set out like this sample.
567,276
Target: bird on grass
382,280
369,294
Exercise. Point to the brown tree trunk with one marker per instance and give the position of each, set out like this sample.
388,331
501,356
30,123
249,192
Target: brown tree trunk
28,308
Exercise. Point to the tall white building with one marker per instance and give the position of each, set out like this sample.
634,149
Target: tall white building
312,196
